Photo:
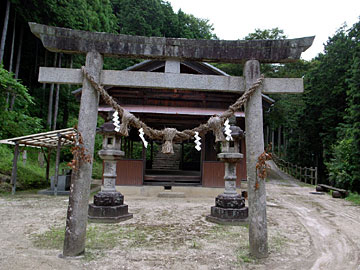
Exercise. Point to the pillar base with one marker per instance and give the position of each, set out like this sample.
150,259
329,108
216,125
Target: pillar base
108,214
229,209
226,221
104,198
235,201
108,207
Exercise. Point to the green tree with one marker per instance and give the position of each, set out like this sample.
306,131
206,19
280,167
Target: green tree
267,69
15,123
91,15
344,167
274,33
157,18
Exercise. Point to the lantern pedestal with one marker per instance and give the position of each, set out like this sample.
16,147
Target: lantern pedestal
230,206
229,210
108,206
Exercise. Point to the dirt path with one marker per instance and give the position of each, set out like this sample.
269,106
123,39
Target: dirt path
306,231
332,224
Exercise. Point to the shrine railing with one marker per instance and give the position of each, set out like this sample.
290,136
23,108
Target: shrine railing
304,174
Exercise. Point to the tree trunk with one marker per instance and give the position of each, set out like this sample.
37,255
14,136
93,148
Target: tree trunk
12,46
4,32
11,64
17,68
44,86
66,96
56,106
33,73
286,141
51,96
77,213
279,141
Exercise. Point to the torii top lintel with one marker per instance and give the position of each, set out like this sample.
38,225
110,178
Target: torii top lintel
66,40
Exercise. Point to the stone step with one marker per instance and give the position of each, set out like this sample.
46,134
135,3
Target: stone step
163,161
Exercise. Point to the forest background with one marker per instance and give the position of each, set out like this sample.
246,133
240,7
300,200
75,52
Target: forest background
319,128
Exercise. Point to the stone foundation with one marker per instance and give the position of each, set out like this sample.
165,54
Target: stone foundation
108,198
108,214
229,210
230,201
108,207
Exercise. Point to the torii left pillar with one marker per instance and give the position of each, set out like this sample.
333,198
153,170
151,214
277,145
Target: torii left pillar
254,148
75,233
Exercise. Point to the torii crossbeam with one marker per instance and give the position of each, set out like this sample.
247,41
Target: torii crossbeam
97,45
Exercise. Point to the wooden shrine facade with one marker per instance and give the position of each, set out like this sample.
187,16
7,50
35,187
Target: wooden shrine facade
180,109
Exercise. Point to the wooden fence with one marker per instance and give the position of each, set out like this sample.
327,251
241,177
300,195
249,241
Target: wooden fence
304,174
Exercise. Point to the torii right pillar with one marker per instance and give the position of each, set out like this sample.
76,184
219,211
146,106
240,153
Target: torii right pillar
254,148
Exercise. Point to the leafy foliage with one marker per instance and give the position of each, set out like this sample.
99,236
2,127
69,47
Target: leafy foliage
274,33
93,15
344,167
29,176
157,18
17,122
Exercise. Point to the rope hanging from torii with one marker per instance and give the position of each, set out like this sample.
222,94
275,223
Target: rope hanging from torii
169,135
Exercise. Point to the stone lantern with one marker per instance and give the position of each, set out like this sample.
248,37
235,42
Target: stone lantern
230,206
108,206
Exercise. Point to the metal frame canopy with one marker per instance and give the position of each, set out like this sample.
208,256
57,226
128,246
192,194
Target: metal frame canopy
46,139
51,139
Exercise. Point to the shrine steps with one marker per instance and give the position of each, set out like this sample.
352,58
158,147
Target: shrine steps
172,180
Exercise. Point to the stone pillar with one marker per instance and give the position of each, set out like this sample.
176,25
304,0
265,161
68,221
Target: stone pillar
108,206
254,148
76,222
172,66
230,206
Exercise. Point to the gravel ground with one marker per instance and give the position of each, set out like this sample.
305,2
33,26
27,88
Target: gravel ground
306,231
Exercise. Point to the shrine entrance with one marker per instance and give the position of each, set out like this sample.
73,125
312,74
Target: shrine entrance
180,109
94,78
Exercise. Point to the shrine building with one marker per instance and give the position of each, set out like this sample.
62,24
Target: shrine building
180,109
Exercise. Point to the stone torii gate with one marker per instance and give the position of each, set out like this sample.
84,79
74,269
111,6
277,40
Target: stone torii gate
98,45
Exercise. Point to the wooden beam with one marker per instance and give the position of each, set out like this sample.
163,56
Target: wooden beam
14,168
49,133
57,162
65,40
48,165
157,80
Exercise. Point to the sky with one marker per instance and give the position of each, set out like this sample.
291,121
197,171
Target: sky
234,19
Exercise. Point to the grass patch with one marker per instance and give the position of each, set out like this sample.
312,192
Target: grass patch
31,175
277,242
101,238
196,245
354,198
221,231
52,239
98,240
243,255
303,184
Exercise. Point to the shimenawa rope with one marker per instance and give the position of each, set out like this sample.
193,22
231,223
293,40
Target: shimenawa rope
168,135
